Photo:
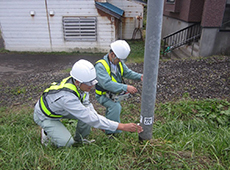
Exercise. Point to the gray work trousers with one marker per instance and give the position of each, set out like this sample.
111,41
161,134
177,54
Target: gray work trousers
59,135
113,110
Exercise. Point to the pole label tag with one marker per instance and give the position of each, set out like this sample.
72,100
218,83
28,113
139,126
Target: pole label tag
148,120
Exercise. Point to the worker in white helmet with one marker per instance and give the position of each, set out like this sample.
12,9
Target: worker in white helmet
69,99
110,72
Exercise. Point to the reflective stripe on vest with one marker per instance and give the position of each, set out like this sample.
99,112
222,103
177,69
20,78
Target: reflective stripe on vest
64,85
100,92
105,64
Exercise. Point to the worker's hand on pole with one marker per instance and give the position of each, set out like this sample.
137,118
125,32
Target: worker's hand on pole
131,89
130,127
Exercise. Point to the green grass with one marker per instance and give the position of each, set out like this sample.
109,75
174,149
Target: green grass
184,137
136,54
137,51
187,134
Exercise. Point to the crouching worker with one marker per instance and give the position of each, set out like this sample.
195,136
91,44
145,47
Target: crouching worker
70,100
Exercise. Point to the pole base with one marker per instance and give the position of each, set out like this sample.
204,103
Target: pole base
140,139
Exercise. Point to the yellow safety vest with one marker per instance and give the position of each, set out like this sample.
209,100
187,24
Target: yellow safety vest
65,85
107,67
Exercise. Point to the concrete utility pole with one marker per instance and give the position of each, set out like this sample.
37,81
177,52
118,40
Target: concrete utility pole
151,63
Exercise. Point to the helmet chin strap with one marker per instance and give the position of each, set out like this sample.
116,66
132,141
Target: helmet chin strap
78,86
113,59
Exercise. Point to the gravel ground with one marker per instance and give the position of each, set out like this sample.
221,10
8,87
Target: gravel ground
198,79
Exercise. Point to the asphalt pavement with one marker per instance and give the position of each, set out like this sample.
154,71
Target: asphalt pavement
16,63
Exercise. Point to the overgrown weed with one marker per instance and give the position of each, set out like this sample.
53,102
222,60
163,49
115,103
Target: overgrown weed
182,139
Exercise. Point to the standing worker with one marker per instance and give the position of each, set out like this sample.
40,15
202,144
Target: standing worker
70,100
111,88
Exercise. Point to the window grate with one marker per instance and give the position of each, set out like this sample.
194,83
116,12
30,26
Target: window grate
80,28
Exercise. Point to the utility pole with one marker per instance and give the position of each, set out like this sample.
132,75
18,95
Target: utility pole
151,63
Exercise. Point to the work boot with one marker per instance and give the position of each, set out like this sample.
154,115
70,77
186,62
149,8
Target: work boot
85,141
112,136
44,138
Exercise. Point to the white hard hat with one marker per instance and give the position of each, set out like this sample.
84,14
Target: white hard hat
84,72
121,49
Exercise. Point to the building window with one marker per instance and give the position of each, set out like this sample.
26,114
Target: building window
80,28
170,1
226,19
172,6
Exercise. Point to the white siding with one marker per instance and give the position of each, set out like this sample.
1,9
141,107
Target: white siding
42,32
22,32
132,9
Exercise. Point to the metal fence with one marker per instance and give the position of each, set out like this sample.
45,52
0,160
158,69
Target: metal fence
181,37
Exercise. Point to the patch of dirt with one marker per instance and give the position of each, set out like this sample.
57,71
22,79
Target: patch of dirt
29,75
198,79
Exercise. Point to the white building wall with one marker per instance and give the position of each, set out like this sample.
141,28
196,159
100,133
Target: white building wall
22,32
132,9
